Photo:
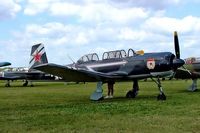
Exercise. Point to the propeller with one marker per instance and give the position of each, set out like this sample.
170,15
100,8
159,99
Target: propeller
176,45
177,62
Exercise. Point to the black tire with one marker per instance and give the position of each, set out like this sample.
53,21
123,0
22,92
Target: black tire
130,94
161,97
25,84
7,85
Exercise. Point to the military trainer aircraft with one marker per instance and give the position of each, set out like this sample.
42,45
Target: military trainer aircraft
191,70
38,56
119,66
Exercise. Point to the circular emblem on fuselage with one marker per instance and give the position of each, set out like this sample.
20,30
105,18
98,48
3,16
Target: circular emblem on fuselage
151,63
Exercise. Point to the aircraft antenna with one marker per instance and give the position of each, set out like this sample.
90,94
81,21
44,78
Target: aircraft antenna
71,59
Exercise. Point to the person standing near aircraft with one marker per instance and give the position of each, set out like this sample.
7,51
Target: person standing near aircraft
110,89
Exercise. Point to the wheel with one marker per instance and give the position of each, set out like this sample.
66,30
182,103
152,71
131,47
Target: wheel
161,97
7,85
25,84
131,94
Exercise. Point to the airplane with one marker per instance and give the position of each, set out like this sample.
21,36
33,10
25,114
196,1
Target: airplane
2,64
119,66
191,70
38,56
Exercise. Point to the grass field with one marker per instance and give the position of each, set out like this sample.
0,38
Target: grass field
55,107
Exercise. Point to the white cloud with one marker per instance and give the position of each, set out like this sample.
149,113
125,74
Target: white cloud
97,12
84,26
166,25
49,29
65,9
151,4
34,7
89,11
8,9
61,7
132,35
153,35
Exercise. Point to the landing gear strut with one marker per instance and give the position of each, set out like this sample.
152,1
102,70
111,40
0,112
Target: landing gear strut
133,93
193,87
25,84
7,83
98,94
31,83
161,96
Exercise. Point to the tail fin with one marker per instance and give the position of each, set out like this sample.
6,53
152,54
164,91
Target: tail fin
38,56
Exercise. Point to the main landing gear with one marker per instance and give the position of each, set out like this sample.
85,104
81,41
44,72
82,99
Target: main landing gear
7,83
98,94
25,83
161,96
133,93
193,87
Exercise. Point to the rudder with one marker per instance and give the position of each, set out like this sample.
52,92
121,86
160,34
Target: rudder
38,56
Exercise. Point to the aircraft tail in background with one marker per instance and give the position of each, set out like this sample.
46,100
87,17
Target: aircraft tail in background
4,64
38,56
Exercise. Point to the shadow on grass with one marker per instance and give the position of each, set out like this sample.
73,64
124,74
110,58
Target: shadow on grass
21,86
187,91
138,98
40,84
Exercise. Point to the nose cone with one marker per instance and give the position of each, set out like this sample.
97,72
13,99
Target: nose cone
178,63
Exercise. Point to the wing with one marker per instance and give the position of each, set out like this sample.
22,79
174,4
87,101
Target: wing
13,75
186,74
80,75
68,74
11,78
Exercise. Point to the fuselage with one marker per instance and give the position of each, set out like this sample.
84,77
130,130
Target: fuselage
145,65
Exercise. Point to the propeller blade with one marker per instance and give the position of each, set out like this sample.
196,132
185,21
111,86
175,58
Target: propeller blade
176,45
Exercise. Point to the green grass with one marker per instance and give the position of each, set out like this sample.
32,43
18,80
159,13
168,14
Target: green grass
55,107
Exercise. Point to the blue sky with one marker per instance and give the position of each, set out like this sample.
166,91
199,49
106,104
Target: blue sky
77,27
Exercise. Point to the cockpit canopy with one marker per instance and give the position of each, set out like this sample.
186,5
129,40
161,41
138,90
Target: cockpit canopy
107,55
114,54
88,57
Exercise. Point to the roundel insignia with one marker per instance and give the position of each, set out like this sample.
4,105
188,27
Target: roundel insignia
151,63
